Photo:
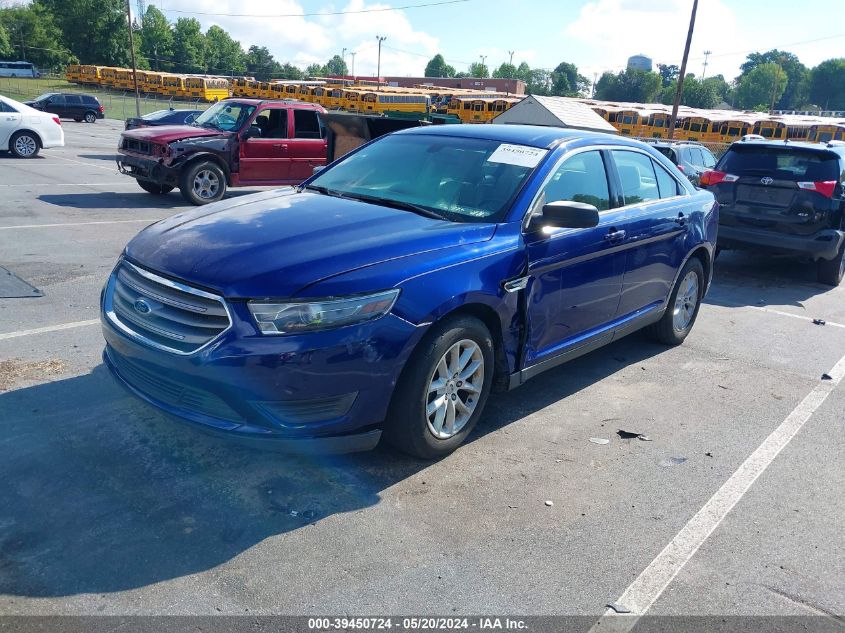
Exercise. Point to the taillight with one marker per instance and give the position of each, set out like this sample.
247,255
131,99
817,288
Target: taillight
713,177
101,109
824,187
56,119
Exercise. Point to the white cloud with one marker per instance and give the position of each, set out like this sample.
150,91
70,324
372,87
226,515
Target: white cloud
304,40
610,31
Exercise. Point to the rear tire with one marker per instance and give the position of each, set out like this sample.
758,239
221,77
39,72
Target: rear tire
682,309
427,419
90,117
202,183
77,119
24,145
153,187
830,272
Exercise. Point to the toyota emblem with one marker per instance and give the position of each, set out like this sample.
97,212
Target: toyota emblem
142,307
766,180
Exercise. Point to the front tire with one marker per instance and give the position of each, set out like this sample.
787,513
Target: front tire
442,392
682,309
153,187
24,145
831,271
90,117
202,183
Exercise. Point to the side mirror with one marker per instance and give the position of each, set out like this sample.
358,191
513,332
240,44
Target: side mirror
565,214
253,131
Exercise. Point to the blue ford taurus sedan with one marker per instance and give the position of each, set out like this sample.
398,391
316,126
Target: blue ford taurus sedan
390,293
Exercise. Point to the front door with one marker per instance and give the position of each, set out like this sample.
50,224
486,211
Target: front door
265,159
575,275
308,146
56,105
10,120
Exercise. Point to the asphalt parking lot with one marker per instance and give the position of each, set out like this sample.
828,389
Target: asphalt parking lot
109,508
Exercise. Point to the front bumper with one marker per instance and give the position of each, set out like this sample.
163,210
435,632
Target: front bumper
147,169
256,389
822,245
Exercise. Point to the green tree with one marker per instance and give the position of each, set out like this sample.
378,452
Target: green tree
505,71
188,46
156,39
289,71
668,73
478,69
5,45
798,76
336,66
757,87
223,55
636,86
314,70
34,36
566,82
523,72
539,82
437,67
827,84
94,31
260,63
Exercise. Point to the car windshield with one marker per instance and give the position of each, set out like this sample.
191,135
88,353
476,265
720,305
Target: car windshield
158,114
44,96
459,179
780,163
225,116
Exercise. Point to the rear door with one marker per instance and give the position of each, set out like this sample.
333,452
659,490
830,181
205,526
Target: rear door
10,120
73,107
777,187
308,144
266,159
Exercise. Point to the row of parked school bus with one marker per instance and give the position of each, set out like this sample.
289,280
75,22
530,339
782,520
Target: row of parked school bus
470,106
716,126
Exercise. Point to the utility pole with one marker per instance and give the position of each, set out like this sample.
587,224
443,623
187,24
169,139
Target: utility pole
134,65
510,72
704,70
483,59
775,87
353,53
683,72
593,91
343,59
378,68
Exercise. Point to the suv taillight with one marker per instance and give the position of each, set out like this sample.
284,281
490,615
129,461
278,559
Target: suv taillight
101,109
714,177
56,119
824,187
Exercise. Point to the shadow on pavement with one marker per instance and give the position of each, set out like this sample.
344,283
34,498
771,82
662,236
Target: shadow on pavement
108,157
102,494
124,199
744,278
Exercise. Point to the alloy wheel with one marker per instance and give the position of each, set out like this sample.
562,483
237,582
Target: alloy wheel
25,146
454,389
206,184
686,302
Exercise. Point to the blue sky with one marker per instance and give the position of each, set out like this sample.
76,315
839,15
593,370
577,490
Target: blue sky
596,35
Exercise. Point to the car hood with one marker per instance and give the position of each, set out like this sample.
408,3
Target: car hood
170,133
274,244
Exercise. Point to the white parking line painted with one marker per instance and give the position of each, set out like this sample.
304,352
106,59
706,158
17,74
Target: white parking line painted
652,582
778,312
49,328
74,184
48,226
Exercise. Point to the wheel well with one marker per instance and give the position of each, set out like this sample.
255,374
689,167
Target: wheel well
33,132
210,158
490,318
704,257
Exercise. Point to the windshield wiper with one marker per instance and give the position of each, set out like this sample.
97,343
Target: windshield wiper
323,190
396,204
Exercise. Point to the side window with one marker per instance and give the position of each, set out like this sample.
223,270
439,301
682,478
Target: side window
73,100
273,122
57,100
695,156
306,124
709,159
667,186
636,174
5,107
581,178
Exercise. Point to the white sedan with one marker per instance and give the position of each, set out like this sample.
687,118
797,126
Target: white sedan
24,130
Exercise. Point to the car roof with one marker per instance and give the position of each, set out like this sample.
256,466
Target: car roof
822,147
531,135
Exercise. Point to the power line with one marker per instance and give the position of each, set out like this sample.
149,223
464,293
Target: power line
325,13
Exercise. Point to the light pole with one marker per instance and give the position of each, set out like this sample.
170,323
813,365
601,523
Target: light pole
343,59
510,72
134,66
683,72
378,68
483,59
353,53
704,70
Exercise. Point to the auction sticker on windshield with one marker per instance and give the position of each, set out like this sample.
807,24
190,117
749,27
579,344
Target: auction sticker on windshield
520,155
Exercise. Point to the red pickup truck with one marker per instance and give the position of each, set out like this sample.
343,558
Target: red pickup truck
235,143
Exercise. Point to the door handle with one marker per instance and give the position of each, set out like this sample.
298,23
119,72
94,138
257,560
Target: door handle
615,236
280,145
681,219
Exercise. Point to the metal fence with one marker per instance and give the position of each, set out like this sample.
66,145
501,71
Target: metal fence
118,104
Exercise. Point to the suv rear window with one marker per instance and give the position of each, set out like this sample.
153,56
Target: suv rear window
88,99
787,163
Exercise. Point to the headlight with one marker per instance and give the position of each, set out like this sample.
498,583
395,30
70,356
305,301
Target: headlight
308,316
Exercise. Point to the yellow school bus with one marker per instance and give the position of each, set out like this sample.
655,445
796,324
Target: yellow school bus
826,132
124,79
107,76
207,88
73,73
90,75
172,85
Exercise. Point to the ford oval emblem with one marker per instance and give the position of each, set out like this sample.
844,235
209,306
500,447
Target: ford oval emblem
142,307
766,180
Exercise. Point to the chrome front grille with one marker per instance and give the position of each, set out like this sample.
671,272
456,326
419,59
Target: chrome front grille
162,313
